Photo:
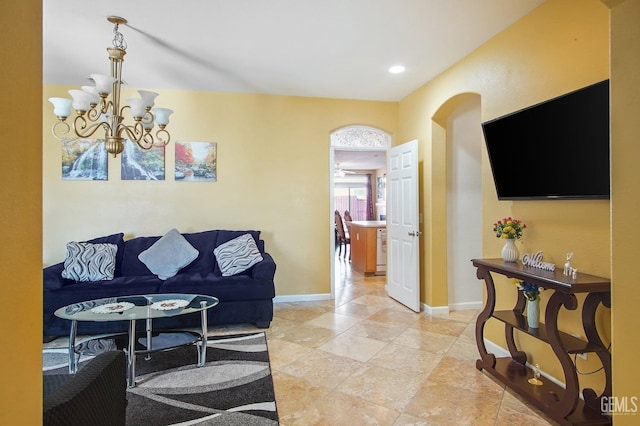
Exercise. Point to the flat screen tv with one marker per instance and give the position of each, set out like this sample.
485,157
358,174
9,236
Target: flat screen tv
558,149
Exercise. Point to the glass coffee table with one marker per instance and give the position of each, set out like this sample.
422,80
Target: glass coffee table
140,307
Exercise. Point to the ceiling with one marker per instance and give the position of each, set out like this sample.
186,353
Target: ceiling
322,48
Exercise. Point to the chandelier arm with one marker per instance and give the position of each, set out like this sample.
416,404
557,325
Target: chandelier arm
60,129
82,130
163,137
134,133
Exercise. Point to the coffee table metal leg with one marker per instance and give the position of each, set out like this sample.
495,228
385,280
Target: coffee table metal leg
202,353
149,341
131,355
73,365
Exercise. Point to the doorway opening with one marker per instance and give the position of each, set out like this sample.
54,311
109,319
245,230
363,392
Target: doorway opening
357,156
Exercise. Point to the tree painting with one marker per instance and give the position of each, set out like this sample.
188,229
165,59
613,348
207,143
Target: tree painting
84,159
141,164
196,161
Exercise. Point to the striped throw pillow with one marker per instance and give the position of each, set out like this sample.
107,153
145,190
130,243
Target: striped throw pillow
90,262
237,255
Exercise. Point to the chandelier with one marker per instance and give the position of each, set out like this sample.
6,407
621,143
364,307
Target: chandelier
94,110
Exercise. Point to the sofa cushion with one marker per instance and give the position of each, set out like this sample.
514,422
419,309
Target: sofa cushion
237,255
167,256
131,265
204,242
236,288
90,262
118,240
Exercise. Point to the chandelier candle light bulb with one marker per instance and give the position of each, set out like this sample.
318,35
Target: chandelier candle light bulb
95,111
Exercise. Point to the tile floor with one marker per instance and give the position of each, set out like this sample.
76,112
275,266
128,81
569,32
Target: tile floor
364,359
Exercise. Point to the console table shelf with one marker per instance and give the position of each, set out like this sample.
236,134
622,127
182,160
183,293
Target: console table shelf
561,404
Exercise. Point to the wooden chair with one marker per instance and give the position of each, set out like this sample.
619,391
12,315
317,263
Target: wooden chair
341,236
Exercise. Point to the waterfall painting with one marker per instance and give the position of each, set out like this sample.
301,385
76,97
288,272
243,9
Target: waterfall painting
196,161
84,159
141,164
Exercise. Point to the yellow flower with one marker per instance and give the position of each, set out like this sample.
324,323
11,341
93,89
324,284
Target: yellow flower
507,229
505,236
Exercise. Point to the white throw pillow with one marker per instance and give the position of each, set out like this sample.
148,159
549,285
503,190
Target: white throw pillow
237,255
90,261
167,256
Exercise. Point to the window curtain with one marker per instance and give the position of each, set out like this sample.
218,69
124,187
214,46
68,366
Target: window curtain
369,198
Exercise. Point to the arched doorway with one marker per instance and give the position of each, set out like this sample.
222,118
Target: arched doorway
356,140
460,132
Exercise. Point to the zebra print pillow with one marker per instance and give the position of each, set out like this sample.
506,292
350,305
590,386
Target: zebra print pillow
237,255
90,262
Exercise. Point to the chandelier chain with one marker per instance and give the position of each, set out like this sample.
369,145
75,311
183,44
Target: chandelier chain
118,39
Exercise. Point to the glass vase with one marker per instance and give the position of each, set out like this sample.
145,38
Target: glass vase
510,251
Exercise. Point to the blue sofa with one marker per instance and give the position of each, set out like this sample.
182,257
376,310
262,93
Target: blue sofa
246,297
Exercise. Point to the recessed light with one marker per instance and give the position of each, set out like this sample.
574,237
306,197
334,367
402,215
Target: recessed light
396,69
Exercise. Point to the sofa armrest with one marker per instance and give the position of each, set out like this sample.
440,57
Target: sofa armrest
52,277
266,269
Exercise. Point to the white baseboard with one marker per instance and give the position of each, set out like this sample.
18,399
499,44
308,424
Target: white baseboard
432,310
466,306
302,298
499,351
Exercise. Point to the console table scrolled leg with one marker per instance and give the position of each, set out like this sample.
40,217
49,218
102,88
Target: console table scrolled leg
73,365
202,353
131,355
487,360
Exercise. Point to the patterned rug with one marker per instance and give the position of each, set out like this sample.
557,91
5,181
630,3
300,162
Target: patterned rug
234,387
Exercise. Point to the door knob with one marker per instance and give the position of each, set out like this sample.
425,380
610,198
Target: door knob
414,234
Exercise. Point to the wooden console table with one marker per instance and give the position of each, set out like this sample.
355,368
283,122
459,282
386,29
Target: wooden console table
560,404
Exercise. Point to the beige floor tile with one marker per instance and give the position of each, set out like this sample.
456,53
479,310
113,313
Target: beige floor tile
376,300
309,336
340,409
432,342
514,411
407,360
295,396
382,386
357,310
282,352
402,316
377,330
354,347
323,368
441,326
441,404
464,350
463,374
334,321
407,420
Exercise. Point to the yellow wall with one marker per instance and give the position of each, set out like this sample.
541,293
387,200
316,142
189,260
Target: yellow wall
564,33
21,213
625,198
273,175
560,46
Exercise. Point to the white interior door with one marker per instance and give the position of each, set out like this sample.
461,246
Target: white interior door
403,263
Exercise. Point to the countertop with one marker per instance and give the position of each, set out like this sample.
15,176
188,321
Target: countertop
369,223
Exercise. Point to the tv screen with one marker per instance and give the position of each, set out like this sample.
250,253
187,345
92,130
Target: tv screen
555,149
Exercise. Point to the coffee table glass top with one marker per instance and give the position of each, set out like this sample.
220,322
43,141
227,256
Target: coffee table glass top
136,307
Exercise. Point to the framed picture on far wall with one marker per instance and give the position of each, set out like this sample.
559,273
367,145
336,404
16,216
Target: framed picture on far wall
196,161
141,164
84,159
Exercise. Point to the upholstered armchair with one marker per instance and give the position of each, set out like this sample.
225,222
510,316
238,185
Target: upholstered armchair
95,395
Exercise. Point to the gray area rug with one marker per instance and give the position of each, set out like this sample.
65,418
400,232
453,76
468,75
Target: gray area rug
234,387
